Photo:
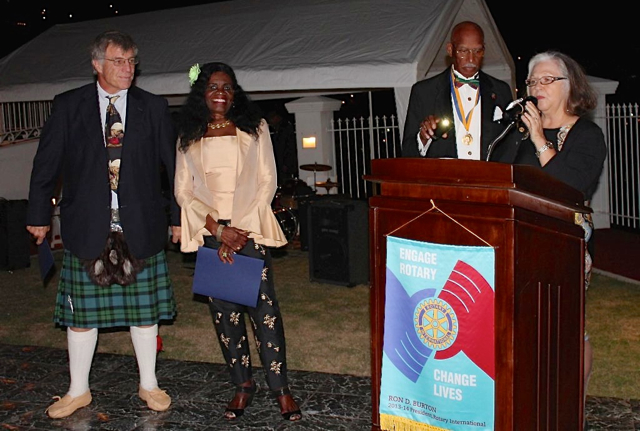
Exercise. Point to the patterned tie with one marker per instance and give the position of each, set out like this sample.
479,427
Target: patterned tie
114,134
113,128
473,83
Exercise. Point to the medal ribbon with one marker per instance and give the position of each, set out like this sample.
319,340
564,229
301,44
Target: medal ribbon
466,120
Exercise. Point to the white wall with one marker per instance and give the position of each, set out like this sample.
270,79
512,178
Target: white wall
600,199
15,169
312,113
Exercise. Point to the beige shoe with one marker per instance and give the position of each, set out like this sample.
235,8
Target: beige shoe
156,399
66,405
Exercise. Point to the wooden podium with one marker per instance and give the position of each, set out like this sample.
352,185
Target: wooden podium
528,217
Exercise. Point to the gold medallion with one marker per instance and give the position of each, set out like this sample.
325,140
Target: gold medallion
467,139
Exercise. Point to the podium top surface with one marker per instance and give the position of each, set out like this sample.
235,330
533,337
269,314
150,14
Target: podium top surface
516,180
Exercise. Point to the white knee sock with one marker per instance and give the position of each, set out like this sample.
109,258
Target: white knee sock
81,346
145,345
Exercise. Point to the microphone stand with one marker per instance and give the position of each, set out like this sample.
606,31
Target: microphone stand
498,138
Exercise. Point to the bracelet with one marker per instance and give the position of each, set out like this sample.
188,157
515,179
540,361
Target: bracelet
219,232
544,148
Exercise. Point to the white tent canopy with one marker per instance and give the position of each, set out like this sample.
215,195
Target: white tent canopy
279,49
285,48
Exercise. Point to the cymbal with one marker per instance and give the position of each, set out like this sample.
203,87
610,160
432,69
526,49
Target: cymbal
315,167
327,184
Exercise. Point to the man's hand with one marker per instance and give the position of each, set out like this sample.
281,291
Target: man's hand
176,232
433,127
38,232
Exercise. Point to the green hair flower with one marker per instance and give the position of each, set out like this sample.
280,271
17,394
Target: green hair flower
193,73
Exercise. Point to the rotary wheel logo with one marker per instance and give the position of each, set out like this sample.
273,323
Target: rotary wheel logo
436,323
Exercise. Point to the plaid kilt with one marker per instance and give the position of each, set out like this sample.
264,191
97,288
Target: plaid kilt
82,304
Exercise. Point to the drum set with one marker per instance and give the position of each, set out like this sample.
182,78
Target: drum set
285,202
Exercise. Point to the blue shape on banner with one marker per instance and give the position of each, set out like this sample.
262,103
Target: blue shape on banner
402,344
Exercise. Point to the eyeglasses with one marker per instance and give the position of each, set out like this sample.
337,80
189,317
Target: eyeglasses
122,61
226,88
545,80
464,52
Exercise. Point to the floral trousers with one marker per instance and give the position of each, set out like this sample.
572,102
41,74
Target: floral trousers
266,320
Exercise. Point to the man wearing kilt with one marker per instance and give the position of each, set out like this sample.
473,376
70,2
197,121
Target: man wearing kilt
111,143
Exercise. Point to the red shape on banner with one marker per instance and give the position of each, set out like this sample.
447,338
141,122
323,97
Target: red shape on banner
472,299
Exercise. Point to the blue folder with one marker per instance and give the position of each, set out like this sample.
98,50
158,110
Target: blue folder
238,282
45,259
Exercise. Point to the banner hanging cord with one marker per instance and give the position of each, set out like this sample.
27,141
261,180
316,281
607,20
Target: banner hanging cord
434,207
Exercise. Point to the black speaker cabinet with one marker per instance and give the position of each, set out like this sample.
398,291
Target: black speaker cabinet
339,241
14,238
304,204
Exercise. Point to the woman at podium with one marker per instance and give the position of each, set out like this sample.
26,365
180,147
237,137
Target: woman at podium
560,141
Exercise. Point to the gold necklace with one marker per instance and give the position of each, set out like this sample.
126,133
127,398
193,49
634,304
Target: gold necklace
214,126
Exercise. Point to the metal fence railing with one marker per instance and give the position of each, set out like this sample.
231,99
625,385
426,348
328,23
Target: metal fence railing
623,139
359,140
22,121
356,143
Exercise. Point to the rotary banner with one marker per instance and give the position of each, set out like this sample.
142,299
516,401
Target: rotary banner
438,355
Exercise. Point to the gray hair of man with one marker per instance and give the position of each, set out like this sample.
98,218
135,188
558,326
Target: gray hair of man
111,37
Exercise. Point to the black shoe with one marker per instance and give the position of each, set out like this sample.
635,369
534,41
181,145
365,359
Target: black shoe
294,415
231,414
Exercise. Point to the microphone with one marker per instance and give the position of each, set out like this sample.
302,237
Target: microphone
511,114
515,109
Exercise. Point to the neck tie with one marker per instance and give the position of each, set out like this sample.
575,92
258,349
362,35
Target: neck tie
113,129
473,83
114,134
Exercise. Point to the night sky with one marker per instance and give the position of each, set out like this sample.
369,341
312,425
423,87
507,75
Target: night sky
601,39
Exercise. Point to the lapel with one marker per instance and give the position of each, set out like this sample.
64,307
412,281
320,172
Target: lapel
134,120
488,98
443,101
245,141
196,163
90,111
443,94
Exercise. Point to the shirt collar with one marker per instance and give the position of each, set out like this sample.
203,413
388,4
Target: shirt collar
459,75
102,93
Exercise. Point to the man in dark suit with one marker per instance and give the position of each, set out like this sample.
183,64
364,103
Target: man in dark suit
114,217
469,100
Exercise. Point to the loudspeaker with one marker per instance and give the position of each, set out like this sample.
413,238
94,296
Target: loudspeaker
14,238
304,204
339,241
